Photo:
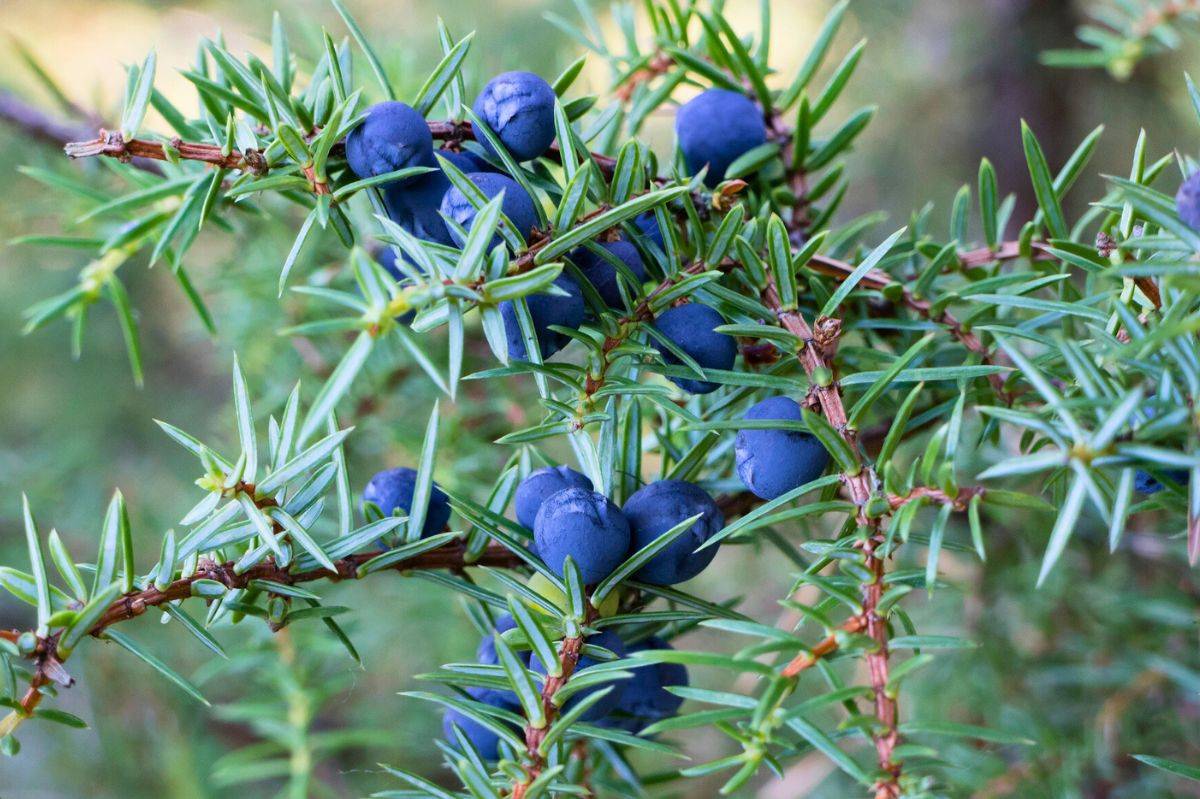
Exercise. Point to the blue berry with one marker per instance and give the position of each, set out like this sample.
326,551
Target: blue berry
1145,483
655,509
715,128
393,136
415,206
542,483
603,275
519,108
546,310
1187,201
392,491
483,739
517,205
645,699
485,654
586,526
605,639
773,462
648,224
387,259
690,327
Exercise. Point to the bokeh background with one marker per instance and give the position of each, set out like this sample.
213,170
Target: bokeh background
1100,662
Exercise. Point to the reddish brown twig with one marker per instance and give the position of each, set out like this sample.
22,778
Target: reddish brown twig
814,354
48,665
659,64
826,647
568,660
878,280
1161,15
111,145
1040,251
959,501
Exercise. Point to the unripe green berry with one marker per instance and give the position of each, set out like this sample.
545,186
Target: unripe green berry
542,586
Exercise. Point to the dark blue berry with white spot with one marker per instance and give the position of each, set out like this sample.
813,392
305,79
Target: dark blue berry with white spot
519,108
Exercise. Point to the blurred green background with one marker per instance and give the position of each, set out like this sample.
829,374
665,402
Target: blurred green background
1100,662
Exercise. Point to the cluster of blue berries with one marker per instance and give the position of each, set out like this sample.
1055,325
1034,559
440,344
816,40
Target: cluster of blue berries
713,130
570,519
630,705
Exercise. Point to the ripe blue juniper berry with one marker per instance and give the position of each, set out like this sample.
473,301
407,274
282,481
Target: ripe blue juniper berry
1187,201
645,698
658,507
540,485
603,275
585,526
691,328
485,654
715,128
392,492
393,136
562,310
485,741
517,204
647,223
519,109
1146,483
415,205
773,462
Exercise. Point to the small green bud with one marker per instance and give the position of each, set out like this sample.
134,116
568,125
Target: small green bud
823,376
893,292
27,643
878,506
277,608
542,586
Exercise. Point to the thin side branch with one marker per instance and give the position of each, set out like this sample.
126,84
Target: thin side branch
48,664
568,661
827,646
111,145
